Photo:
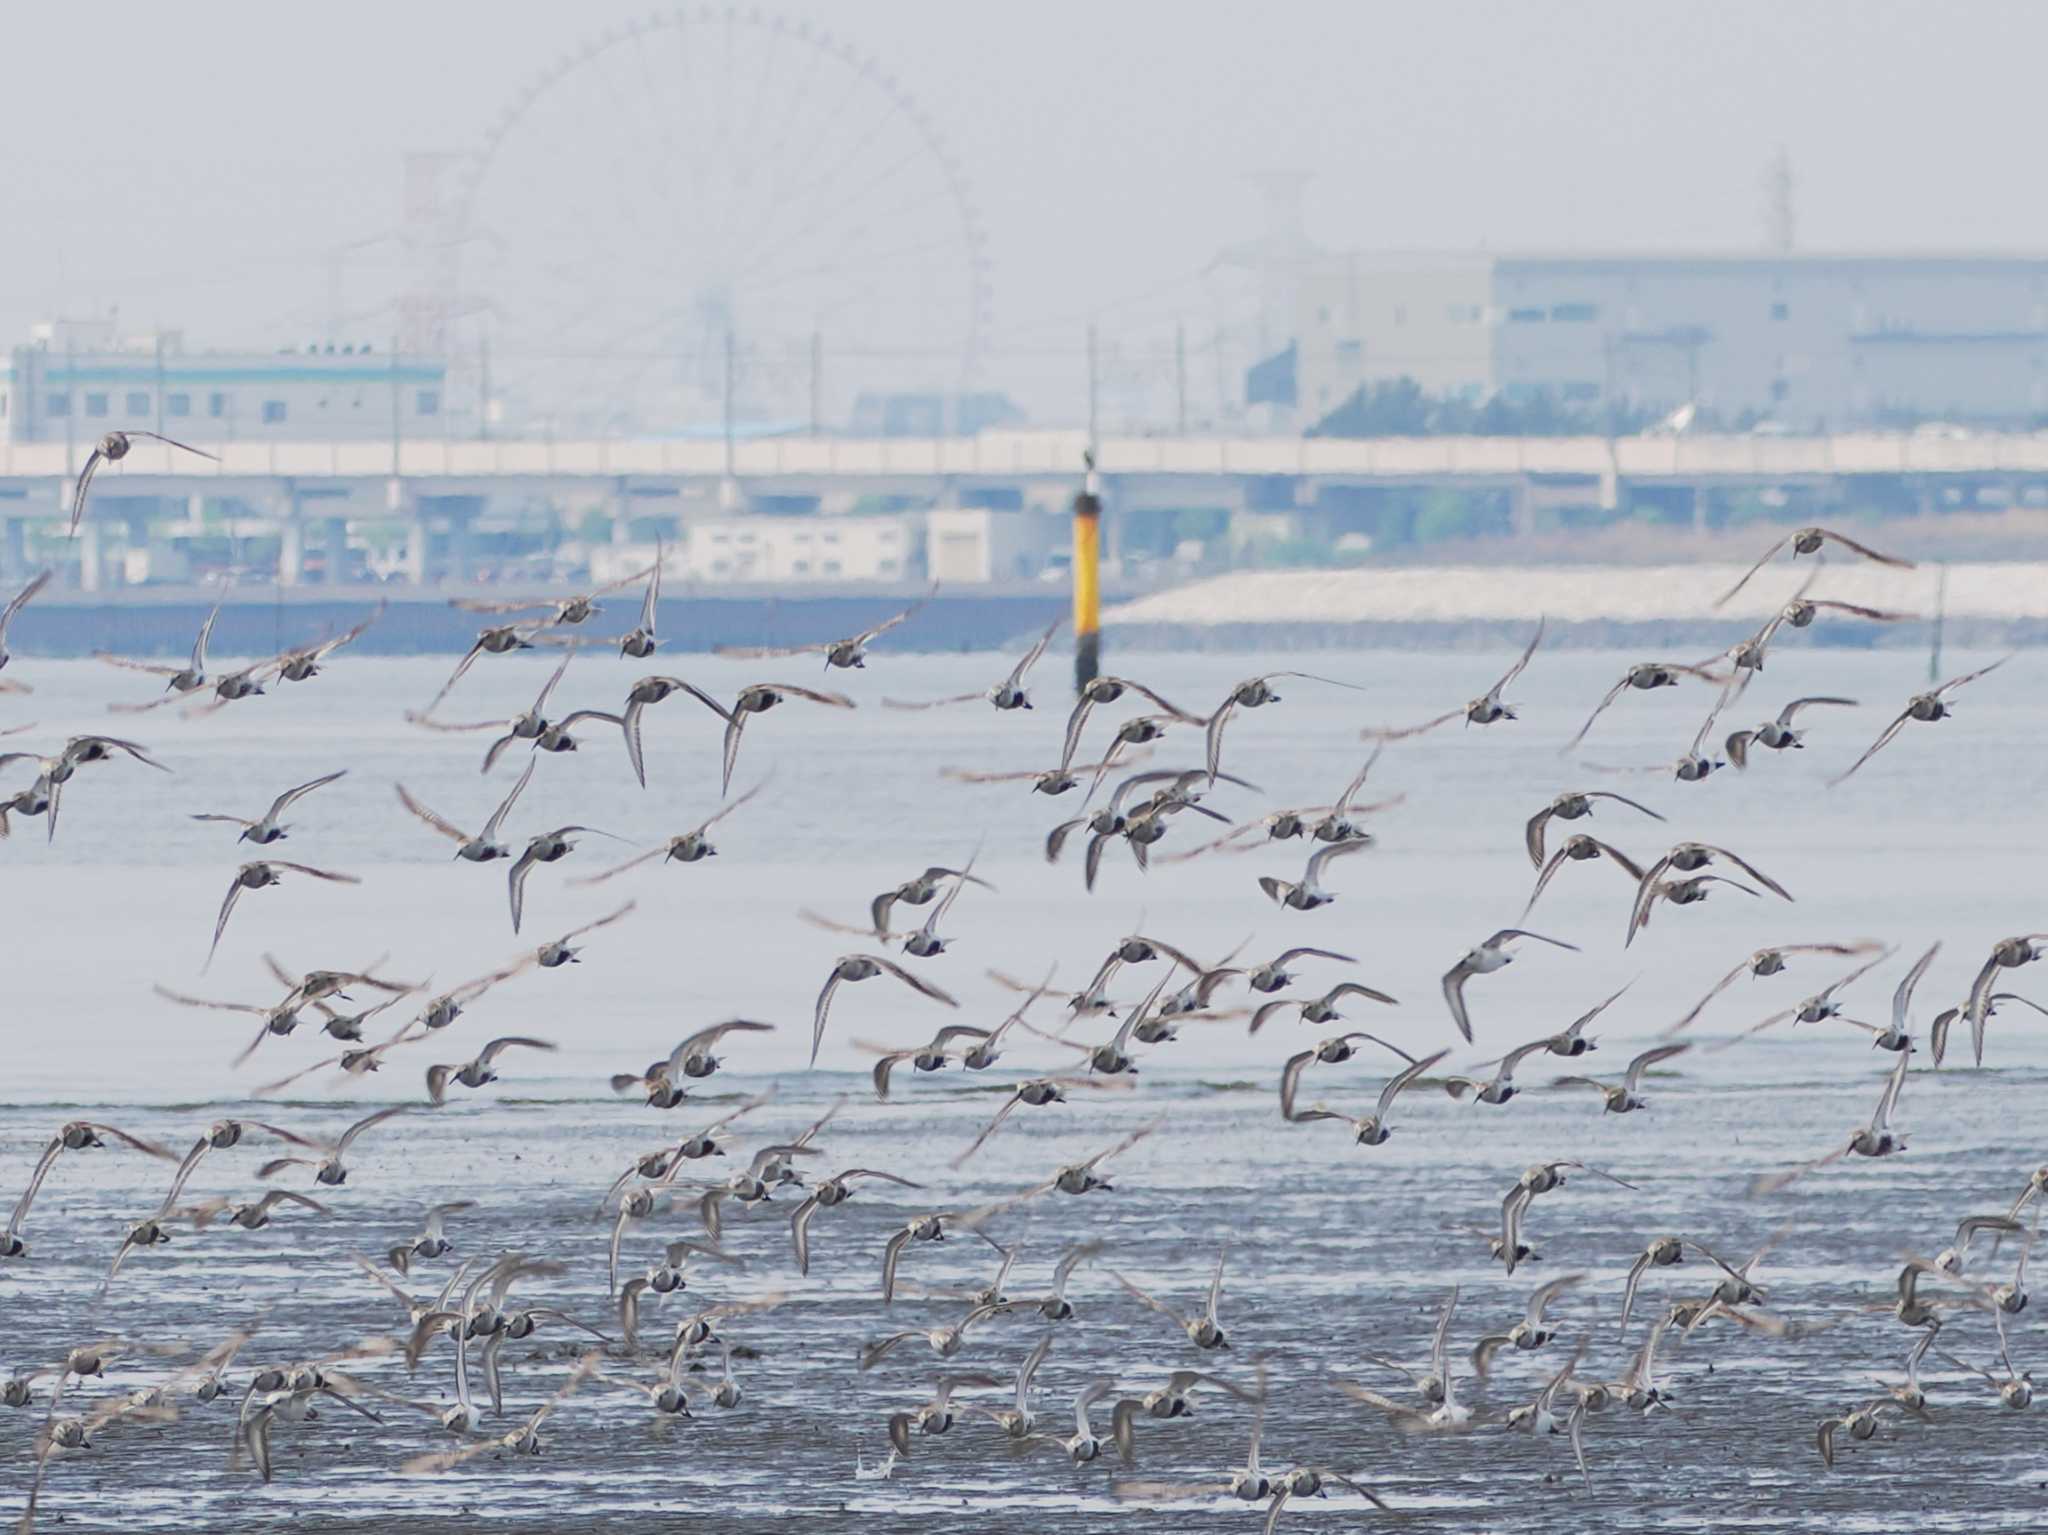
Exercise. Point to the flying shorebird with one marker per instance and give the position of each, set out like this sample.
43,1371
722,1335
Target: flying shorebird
15,604
111,449
1529,1333
1483,959
1321,1009
573,609
1309,893
258,875
1643,677
1371,1129
642,642
78,1135
477,1070
484,847
1006,695
546,847
1048,781
188,678
642,696
1107,690
1777,734
1581,848
558,952
1571,806
1275,976
1821,1005
526,726
846,653
430,1242
1768,962
1898,1034
2006,954
1877,1139
1203,1328
920,891
1810,541
864,967
1929,707
267,829
1690,858
329,1169
758,698
1499,1087
1252,693
826,1194
1626,1098
303,664
497,640
1486,709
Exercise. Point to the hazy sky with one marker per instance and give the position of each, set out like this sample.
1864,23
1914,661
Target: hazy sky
195,164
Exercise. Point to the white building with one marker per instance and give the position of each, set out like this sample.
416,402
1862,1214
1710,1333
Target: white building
78,380
797,549
1807,340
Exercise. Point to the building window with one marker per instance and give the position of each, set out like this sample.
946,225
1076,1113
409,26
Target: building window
1525,316
1780,388
177,404
1575,314
1400,314
1781,311
1350,351
3,404
216,405
96,405
1462,314
800,567
273,412
138,402
57,405
428,402
831,567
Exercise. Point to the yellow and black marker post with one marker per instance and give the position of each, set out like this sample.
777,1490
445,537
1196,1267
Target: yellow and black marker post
1087,580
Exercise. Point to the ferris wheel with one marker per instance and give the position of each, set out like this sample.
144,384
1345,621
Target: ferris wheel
715,214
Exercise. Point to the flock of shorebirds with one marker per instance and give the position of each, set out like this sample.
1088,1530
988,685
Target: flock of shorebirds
1957,1305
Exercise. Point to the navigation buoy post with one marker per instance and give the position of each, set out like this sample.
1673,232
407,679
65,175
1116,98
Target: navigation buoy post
1087,579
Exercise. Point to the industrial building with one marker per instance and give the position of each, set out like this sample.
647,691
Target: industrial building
75,381
1808,342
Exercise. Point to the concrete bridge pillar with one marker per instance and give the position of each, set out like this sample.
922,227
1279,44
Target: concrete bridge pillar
291,553
334,544
15,557
88,556
413,562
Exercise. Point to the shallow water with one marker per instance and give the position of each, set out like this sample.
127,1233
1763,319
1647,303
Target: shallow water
1336,1250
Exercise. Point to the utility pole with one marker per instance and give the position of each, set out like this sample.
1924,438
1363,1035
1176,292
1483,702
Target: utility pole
1180,377
1094,393
1087,578
817,382
728,405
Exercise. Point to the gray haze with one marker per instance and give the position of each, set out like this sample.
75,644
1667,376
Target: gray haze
196,167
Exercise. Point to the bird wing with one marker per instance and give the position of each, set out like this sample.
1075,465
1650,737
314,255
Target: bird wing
1787,714
287,799
1864,549
497,821
915,982
1532,839
1323,855
1769,555
1634,1077
515,883
347,1136
227,908
1600,709
1395,1084
78,495
1454,994
1516,670
1876,746
444,827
